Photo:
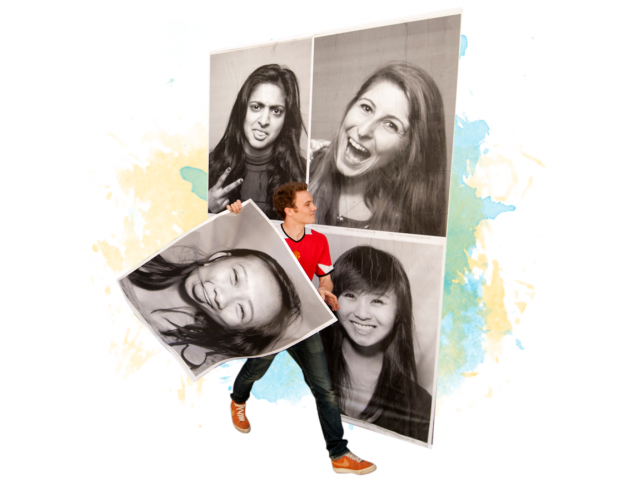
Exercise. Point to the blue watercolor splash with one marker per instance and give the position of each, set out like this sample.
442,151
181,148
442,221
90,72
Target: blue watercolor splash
519,344
198,180
464,313
283,380
463,45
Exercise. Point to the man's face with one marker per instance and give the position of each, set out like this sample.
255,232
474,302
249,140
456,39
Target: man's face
305,209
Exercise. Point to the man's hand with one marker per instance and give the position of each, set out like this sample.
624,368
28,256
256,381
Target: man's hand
324,289
235,207
329,298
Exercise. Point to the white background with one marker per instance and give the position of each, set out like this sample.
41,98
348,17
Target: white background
558,79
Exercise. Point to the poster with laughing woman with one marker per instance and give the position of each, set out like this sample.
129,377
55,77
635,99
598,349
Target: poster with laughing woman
383,112
382,352
229,288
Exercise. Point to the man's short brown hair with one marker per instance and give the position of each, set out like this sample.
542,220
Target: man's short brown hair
285,196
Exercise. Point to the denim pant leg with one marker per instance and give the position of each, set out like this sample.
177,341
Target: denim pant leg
309,354
252,371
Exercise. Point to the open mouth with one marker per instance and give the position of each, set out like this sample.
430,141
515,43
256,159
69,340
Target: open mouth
355,152
362,329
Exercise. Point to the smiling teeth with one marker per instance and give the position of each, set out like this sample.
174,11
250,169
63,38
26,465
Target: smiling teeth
363,329
357,146
206,296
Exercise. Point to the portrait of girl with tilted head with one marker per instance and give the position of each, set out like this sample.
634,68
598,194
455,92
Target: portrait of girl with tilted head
229,288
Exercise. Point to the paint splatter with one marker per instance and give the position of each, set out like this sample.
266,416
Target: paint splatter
131,352
463,45
198,180
480,309
466,317
161,206
283,381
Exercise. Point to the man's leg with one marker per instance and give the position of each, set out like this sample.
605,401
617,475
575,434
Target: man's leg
252,371
309,354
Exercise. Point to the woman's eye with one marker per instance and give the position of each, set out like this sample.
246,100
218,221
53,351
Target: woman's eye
390,126
277,111
378,301
349,295
235,276
255,107
366,108
241,312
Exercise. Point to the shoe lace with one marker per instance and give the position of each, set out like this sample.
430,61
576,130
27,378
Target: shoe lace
240,411
354,457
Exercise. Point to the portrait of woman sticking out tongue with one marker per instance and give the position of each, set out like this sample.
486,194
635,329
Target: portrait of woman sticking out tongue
260,148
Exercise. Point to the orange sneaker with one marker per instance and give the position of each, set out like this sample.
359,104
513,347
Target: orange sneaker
351,463
239,418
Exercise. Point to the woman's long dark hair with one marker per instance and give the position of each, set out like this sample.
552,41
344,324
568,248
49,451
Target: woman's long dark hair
158,274
365,269
408,194
287,164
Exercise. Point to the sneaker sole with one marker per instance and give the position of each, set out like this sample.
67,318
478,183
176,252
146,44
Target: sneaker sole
364,471
241,430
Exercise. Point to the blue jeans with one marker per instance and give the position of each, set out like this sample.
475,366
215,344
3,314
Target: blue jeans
309,355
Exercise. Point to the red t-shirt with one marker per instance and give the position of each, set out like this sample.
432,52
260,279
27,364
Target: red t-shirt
312,251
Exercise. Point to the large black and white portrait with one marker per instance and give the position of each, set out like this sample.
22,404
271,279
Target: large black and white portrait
229,288
382,126
259,109
382,352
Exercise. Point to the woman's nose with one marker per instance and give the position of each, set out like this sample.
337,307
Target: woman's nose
366,128
264,117
362,310
217,295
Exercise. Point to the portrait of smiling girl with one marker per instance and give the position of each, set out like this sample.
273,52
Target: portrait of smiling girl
260,148
370,351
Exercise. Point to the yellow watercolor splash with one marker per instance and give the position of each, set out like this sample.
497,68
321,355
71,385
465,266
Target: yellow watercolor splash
131,353
505,175
185,388
162,205
163,199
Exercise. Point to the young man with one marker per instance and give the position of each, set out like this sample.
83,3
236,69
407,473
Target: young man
295,206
